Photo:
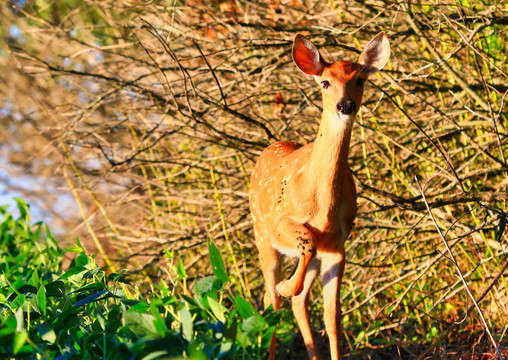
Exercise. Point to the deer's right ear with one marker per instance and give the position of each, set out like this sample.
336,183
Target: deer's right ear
307,57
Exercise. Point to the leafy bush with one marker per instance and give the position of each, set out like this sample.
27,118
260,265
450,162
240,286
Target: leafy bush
87,313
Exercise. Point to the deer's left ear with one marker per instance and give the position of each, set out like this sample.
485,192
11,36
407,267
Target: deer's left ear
376,54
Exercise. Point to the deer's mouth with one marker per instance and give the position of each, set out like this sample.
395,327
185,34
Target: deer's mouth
346,117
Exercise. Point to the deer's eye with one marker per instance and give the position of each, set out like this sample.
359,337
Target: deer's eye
325,84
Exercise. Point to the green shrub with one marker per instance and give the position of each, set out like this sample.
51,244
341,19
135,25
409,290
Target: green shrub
87,313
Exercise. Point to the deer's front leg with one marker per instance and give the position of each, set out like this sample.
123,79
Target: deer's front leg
332,267
294,239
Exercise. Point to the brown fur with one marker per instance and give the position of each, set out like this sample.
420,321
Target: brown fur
303,199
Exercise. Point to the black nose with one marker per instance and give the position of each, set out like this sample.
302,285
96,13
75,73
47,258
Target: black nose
346,106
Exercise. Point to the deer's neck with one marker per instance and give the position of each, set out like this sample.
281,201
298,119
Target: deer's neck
328,164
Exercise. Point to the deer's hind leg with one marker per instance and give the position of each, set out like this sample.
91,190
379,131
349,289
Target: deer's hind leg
271,266
294,239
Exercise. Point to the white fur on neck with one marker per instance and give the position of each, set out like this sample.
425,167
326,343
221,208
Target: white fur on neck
338,122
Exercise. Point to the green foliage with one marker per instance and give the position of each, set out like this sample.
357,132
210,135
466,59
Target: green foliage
86,313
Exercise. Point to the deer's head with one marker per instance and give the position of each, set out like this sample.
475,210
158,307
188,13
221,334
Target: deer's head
341,82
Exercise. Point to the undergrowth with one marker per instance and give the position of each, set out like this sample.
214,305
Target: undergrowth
87,313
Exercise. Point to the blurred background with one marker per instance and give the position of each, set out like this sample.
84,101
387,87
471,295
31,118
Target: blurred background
134,126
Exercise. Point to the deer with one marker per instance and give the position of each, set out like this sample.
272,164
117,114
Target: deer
303,199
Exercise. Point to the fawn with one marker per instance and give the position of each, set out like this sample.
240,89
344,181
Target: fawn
303,198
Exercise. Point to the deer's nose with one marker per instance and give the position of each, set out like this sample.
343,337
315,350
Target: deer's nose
346,106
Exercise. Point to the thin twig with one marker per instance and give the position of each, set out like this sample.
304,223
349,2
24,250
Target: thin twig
459,272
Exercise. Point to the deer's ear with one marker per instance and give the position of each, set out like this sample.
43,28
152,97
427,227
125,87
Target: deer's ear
376,54
307,57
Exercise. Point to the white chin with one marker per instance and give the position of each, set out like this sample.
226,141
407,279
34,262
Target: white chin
346,118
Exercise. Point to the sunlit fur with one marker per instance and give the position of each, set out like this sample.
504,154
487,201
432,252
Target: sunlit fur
303,198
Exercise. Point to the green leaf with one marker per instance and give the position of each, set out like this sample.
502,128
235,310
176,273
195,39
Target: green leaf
77,248
19,340
122,277
196,351
6,331
186,325
91,273
68,318
18,301
21,290
245,309
217,262
92,286
82,259
101,295
100,318
114,319
52,243
217,309
267,337
46,332
136,305
10,323
41,300
360,337
224,350
73,271
55,289
232,326
140,324
19,284
205,284
155,355
180,270
37,233
253,324
24,209
159,323
36,280
168,254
